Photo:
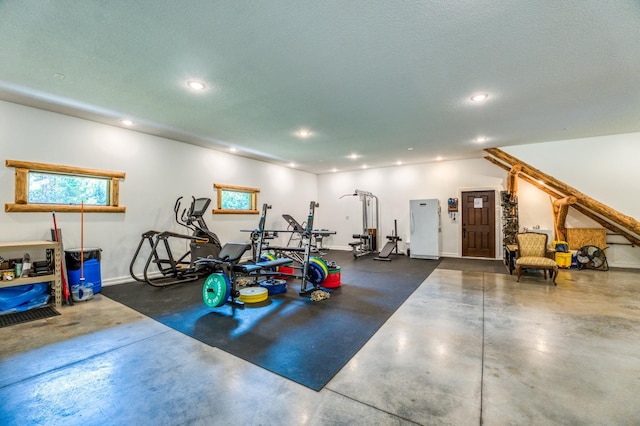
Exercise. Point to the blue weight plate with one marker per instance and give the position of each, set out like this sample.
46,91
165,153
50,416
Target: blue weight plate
316,273
216,290
274,286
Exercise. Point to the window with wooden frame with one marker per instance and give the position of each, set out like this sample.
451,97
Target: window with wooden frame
41,187
236,199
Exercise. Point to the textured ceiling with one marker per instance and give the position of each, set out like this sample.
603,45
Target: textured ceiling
389,80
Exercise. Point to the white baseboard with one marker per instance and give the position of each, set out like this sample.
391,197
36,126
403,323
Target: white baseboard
623,265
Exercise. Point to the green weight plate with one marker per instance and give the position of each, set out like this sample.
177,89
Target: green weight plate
216,290
322,264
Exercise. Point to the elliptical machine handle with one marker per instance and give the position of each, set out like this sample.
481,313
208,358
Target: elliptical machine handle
176,206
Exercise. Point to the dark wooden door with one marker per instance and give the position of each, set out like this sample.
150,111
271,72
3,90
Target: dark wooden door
478,224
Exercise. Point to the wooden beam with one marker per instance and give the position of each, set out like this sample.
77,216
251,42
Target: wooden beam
22,182
611,227
61,208
57,168
624,221
512,181
560,210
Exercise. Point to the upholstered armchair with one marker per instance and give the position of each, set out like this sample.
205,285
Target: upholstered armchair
532,250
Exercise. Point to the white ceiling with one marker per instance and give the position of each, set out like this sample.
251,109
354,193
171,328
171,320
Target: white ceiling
389,80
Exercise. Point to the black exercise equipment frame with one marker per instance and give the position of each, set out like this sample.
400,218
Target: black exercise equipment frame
301,255
228,263
391,247
202,243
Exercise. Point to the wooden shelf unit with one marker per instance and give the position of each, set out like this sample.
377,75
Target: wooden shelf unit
52,250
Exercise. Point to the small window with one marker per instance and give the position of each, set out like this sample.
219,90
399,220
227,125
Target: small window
43,187
236,199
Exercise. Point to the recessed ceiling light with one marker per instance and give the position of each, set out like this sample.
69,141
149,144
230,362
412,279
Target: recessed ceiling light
481,139
127,122
303,133
334,170
480,97
409,149
353,156
399,163
364,166
196,85
292,164
438,158
232,149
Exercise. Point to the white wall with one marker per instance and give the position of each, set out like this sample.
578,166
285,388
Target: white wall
601,167
394,187
604,168
158,171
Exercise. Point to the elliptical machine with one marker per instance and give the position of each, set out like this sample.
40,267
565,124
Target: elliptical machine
205,242
169,269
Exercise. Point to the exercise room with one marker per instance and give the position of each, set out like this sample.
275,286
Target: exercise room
308,213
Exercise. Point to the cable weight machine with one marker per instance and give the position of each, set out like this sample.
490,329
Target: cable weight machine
368,240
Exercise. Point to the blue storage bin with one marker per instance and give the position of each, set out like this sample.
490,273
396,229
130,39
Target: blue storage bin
91,264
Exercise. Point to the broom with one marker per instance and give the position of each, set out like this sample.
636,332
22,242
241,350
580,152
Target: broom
83,285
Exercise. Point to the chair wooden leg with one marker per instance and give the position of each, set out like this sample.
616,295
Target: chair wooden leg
518,272
545,273
555,275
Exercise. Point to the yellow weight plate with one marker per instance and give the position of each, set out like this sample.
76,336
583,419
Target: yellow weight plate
253,294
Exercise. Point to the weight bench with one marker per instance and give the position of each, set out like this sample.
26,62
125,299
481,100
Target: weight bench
386,251
362,247
223,286
248,268
231,253
388,248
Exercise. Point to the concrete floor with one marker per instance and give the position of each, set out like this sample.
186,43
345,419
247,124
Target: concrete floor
466,348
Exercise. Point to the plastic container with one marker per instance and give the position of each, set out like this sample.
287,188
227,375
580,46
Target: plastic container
82,291
333,278
91,262
563,260
286,270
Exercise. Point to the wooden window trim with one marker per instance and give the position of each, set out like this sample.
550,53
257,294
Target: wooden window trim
254,199
21,191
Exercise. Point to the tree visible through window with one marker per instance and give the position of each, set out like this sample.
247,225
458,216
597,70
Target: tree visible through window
41,187
51,188
236,199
